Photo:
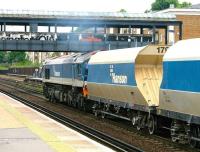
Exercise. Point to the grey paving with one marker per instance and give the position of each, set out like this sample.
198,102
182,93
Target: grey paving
21,140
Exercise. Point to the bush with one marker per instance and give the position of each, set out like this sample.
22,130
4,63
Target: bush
24,64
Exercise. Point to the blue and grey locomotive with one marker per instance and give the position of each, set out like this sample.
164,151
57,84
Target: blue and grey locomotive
65,78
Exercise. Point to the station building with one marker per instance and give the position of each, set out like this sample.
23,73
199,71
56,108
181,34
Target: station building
190,18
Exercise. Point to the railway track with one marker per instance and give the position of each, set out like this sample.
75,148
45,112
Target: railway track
23,85
125,136
88,131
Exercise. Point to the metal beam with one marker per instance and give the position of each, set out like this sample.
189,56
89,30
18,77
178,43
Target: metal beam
141,30
61,46
180,31
89,22
166,35
154,34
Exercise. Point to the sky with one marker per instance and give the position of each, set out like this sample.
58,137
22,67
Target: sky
132,6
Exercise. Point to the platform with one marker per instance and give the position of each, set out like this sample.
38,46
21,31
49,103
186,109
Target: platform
23,129
12,77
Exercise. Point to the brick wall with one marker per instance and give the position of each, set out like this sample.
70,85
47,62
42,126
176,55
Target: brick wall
191,26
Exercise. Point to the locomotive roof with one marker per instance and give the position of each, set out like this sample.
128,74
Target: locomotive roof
60,60
116,56
72,58
184,50
81,58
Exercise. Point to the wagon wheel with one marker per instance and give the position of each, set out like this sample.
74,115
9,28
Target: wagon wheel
152,124
198,136
139,123
194,133
103,115
95,113
134,120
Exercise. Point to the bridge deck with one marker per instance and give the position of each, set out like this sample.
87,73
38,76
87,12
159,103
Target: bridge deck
70,46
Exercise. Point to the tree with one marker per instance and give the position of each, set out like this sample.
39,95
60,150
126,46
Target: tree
16,57
185,5
164,4
2,57
122,10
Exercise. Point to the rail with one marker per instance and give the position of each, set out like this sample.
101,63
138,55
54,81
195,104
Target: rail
90,132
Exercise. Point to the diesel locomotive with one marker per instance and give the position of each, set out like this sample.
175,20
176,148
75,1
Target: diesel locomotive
153,86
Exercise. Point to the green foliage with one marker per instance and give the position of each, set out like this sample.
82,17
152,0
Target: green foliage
12,57
24,64
16,57
122,10
2,57
3,67
164,4
185,5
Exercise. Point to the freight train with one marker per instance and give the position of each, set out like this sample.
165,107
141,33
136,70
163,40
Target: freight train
153,87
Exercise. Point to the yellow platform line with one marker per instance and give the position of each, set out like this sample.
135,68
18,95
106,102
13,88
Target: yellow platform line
46,136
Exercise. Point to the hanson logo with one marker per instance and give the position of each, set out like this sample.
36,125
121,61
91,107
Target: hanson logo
120,79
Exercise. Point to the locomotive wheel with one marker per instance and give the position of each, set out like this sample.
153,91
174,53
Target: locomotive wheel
51,98
69,98
83,107
151,124
81,102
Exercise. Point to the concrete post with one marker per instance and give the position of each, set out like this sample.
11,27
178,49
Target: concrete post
49,29
55,28
4,27
25,28
33,27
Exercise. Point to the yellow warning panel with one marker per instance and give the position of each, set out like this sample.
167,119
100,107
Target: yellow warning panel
46,136
57,136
